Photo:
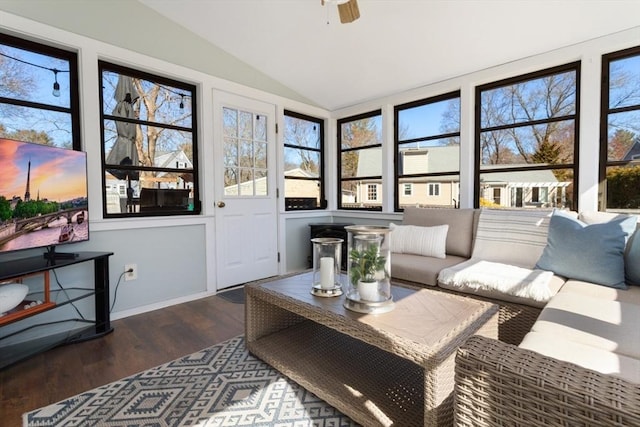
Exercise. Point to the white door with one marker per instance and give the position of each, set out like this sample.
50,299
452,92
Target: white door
246,214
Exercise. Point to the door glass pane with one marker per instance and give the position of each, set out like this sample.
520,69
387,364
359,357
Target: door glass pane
245,153
260,155
260,176
261,128
230,121
245,125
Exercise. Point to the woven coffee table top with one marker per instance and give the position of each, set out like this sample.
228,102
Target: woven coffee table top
425,326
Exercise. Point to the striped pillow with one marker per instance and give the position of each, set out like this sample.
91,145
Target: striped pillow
515,237
425,241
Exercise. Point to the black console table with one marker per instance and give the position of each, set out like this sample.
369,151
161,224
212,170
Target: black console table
32,266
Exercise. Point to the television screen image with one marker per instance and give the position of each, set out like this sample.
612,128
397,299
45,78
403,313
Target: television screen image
43,196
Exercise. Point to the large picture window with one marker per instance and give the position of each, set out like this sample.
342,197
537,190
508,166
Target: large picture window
427,155
39,99
526,140
360,164
303,162
620,132
149,144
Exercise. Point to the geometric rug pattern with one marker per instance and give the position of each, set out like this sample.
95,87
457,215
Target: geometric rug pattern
222,385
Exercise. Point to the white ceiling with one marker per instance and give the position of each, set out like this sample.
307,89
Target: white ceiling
396,45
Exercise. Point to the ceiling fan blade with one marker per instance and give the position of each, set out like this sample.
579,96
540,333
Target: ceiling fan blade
348,11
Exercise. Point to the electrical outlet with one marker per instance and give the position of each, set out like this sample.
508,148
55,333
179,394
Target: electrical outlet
130,272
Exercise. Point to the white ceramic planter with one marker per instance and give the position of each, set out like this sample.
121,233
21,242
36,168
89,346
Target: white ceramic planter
369,291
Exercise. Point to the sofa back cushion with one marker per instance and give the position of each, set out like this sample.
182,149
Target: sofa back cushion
515,237
460,221
589,252
632,250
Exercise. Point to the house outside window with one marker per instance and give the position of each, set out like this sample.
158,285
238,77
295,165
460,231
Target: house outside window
303,162
39,96
360,164
408,189
526,135
149,143
620,132
372,192
427,148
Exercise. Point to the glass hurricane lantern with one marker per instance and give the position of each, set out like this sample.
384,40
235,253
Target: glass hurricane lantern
368,287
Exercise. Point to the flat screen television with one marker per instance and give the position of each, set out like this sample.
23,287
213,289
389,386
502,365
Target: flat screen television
43,197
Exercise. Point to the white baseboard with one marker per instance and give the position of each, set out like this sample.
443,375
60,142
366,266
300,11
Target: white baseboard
159,305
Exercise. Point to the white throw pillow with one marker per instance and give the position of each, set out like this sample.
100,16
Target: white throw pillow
426,241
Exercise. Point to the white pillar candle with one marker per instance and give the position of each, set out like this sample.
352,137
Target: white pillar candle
326,273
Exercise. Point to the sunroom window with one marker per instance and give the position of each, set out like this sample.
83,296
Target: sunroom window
149,136
526,138
303,162
360,165
39,99
620,132
427,141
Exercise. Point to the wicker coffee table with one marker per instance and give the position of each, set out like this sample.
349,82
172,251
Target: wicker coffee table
395,368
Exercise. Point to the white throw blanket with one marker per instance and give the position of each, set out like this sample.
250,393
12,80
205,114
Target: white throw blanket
509,279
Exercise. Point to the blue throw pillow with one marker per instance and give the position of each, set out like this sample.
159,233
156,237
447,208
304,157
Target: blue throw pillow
593,253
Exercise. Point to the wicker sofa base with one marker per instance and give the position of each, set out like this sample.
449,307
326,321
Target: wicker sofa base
498,384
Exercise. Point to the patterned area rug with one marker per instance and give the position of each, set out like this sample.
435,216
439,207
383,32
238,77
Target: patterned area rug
222,385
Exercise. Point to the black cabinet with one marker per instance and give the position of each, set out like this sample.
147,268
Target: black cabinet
51,299
330,229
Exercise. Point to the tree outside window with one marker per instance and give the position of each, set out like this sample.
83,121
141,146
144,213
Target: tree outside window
149,143
303,162
360,165
526,136
620,132
427,141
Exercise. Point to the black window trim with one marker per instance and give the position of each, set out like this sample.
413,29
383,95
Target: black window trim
74,90
605,111
320,122
354,118
188,87
572,66
397,143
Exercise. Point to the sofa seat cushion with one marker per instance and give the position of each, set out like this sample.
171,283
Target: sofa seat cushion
501,281
631,295
461,226
596,359
608,325
515,237
420,269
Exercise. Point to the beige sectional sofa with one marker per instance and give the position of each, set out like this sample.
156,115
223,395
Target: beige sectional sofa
567,355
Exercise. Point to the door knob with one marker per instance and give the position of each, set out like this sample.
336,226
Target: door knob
221,204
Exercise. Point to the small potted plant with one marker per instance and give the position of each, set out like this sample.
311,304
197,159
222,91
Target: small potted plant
367,266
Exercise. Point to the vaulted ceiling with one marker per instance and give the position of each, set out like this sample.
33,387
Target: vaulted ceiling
396,45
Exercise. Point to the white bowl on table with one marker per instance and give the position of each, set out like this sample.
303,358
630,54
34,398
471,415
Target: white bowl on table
11,294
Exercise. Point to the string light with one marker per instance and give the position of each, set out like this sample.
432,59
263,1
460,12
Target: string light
182,102
56,85
55,71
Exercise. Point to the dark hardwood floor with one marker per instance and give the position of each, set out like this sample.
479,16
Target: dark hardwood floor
137,343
